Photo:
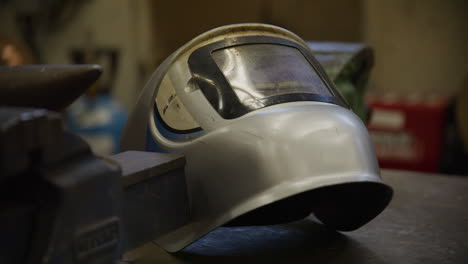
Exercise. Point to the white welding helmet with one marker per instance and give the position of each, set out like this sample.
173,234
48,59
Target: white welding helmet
267,137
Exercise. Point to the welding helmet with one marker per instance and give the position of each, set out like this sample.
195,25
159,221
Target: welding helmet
267,137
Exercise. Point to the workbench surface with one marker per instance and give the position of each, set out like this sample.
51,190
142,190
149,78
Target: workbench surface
426,222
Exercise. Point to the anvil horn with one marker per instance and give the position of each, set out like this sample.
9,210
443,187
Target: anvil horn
53,87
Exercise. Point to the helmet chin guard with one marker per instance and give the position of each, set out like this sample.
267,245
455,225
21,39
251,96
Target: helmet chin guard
267,137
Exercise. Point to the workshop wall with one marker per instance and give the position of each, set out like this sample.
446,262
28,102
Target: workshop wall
108,26
114,33
421,45
174,25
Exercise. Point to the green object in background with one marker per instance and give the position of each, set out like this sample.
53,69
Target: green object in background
349,66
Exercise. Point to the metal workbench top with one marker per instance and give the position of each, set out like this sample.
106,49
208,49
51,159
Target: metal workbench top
427,222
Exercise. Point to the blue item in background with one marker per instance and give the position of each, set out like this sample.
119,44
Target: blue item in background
99,120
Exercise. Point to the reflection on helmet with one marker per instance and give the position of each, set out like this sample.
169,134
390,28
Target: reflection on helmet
267,137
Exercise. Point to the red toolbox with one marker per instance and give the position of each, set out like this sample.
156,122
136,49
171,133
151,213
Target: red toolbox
407,131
